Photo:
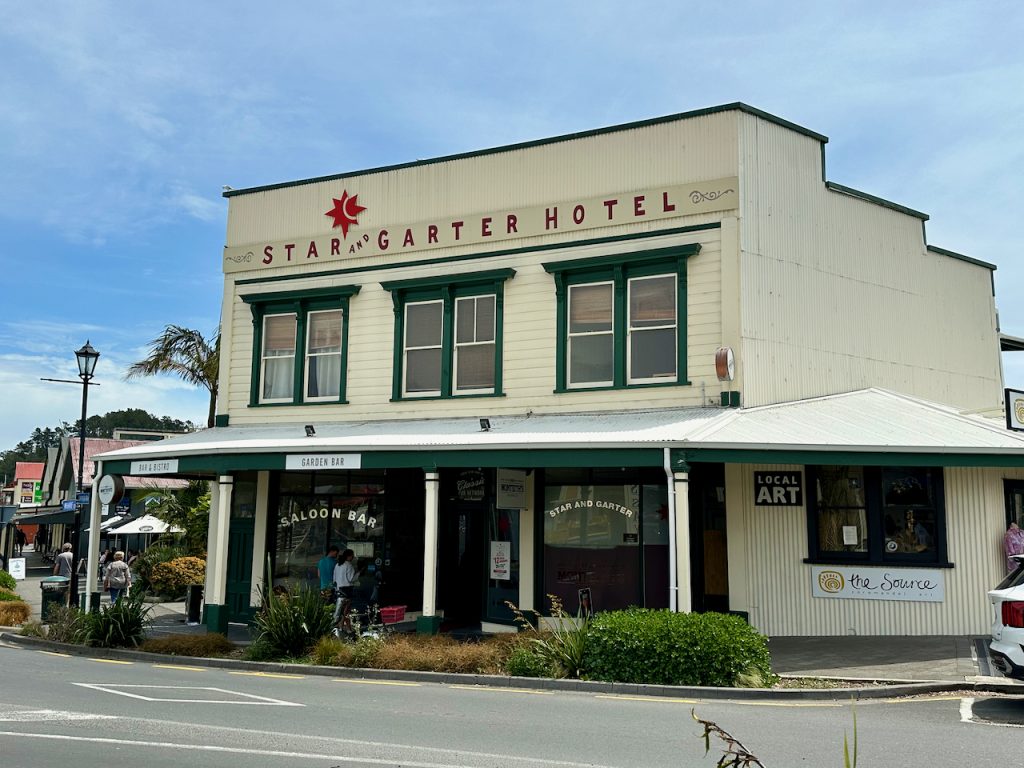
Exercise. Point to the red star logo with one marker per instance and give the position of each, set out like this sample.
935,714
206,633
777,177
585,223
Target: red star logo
345,212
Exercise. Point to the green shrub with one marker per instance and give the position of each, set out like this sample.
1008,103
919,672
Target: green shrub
526,662
7,581
6,594
664,648
142,568
292,622
65,624
122,624
562,646
33,629
202,646
171,577
260,650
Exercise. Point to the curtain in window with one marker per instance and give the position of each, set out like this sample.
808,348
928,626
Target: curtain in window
278,357
323,350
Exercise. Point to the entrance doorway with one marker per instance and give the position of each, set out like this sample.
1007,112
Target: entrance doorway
465,504
708,546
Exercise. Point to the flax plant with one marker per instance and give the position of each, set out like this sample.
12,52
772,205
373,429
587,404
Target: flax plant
564,644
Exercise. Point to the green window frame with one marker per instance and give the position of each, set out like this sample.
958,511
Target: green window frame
304,306
451,293
623,274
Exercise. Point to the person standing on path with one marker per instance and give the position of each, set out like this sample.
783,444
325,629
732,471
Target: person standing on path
326,566
63,564
118,578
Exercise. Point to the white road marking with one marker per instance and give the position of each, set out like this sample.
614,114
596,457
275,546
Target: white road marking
966,710
319,756
251,699
49,715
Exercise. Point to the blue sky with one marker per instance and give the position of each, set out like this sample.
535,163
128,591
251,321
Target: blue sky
121,122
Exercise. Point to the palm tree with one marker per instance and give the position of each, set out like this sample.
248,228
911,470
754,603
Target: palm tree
185,353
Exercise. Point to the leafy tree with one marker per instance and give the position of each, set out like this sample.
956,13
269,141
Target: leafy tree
188,509
185,353
34,448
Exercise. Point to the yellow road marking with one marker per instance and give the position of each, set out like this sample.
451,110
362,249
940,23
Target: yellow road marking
644,698
373,682
501,690
268,674
924,697
111,661
179,666
54,653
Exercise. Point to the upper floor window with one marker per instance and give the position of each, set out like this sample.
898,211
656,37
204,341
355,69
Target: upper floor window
299,346
448,335
877,515
621,319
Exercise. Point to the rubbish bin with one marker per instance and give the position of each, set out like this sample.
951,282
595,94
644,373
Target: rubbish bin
55,592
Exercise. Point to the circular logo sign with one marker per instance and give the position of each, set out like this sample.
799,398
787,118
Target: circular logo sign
831,581
145,528
110,488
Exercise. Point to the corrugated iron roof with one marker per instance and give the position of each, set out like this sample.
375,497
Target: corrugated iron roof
865,420
29,470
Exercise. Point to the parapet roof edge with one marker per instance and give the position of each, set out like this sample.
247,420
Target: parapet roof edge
736,106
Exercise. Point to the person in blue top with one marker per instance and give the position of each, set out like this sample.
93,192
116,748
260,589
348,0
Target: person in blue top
326,567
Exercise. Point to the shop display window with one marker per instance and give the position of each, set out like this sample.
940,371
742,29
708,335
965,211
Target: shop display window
602,541
877,515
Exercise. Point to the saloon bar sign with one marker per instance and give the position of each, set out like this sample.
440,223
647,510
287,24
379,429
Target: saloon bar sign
345,241
778,489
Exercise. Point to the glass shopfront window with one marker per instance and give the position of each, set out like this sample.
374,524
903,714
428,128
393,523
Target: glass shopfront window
316,510
603,538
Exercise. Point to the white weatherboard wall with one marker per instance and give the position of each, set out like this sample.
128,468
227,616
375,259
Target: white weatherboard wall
768,578
840,293
529,341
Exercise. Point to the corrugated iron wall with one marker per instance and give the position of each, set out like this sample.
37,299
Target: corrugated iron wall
768,578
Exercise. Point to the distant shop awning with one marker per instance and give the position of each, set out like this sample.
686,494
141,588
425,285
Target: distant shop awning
45,516
145,524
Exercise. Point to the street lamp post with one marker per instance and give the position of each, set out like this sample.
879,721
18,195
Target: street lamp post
87,357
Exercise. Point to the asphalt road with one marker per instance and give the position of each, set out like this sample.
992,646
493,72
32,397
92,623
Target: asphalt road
63,710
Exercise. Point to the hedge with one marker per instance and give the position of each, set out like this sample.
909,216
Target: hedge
664,648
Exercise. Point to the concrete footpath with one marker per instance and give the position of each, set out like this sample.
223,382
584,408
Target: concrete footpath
932,663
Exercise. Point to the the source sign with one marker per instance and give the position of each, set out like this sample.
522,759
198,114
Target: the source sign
1014,409
110,488
878,583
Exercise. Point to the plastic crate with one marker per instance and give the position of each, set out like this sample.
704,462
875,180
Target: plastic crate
392,614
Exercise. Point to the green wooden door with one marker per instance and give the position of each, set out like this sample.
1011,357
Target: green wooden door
239,586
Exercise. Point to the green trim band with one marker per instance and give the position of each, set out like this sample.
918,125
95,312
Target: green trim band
309,295
851,192
441,281
221,420
733,107
960,257
631,259
848,458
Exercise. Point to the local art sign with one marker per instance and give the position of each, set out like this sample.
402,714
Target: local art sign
778,489
876,583
344,240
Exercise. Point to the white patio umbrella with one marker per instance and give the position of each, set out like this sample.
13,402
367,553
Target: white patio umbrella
145,524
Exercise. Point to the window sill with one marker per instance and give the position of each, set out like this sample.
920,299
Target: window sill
571,390
414,399
298,405
878,563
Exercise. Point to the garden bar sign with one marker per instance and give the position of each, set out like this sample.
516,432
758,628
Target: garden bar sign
877,583
348,241
311,461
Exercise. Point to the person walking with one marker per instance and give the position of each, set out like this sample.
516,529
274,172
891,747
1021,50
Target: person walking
118,577
65,561
20,539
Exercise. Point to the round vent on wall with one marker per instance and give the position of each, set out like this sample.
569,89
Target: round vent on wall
725,364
